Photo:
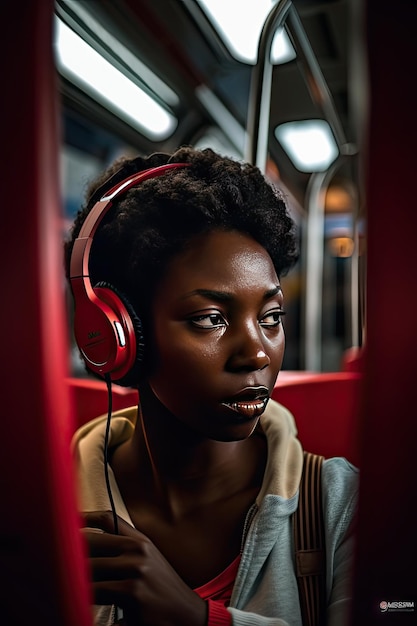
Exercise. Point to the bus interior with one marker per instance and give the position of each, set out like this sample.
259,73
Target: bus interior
338,72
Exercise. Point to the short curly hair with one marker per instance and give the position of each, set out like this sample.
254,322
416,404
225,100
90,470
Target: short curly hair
153,222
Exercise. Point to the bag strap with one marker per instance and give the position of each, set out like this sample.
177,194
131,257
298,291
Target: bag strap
309,541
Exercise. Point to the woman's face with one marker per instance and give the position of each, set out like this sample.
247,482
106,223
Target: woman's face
218,341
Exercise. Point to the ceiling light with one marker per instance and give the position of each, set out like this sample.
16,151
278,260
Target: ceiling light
310,144
87,20
240,24
85,67
342,247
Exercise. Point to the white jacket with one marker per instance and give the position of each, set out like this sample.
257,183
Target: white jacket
265,591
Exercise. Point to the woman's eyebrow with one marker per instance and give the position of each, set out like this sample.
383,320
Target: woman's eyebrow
225,296
273,292
220,296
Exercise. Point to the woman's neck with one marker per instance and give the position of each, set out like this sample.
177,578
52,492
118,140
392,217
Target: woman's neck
171,464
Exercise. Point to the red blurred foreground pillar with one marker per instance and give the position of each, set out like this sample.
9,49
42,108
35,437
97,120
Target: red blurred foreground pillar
386,578
43,571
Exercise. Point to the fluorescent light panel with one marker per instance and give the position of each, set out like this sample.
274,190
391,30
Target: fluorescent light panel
88,20
84,66
240,24
310,144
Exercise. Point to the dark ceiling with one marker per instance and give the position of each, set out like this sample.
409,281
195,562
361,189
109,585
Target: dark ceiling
176,40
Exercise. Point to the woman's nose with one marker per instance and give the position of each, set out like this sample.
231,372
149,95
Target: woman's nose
249,353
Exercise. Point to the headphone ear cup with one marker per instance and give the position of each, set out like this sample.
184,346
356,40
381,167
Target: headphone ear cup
106,292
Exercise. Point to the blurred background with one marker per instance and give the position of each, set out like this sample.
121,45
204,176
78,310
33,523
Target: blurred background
280,84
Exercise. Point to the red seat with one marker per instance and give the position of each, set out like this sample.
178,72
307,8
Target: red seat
90,398
325,407
353,360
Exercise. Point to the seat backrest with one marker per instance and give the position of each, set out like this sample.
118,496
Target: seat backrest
90,398
325,407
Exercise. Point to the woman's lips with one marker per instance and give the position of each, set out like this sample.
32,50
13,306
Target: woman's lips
249,402
248,408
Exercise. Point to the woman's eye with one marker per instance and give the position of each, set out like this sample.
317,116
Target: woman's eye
208,321
272,318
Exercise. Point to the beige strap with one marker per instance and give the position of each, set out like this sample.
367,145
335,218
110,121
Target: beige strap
310,559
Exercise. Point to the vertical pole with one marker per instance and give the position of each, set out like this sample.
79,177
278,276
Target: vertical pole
387,539
42,559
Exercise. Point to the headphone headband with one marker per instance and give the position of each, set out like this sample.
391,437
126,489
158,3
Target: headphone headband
107,329
82,244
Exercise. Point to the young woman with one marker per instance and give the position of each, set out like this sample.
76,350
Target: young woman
204,473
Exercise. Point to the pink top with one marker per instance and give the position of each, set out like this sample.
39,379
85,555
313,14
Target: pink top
217,593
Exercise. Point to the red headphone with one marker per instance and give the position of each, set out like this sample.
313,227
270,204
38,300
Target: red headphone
107,330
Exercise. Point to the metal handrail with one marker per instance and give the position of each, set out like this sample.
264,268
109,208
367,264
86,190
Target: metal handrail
284,14
256,150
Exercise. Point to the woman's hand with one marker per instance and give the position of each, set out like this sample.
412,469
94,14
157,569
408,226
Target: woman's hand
129,571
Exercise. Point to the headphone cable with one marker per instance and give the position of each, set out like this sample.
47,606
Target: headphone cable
117,611
106,452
